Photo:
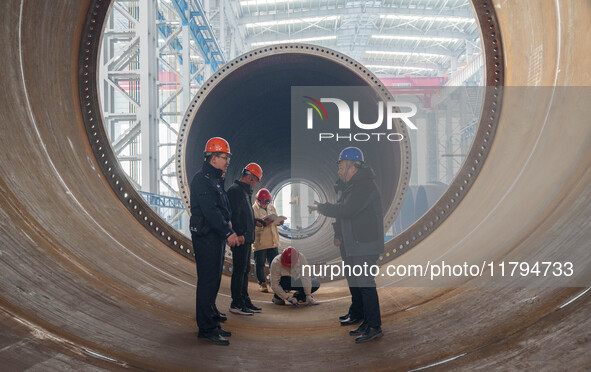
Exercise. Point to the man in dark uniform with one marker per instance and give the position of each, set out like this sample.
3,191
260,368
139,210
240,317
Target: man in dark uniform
210,229
243,222
359,231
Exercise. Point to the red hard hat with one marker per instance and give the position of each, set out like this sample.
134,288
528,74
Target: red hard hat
289,256
217,144
255,169
264,196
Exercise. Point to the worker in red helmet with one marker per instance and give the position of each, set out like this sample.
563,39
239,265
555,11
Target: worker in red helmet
211,229
286,275
243,222
266,241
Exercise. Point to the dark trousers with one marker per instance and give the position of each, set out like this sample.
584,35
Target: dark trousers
356,307
296,285
209,257
239,283
259,262
364,295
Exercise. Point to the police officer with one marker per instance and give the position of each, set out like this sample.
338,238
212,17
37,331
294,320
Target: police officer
239,195
210,229
359,231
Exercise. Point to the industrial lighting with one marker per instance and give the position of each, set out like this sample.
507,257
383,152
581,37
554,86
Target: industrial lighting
387,67
292,21
404,53
428,18
305,40
264,2
415,38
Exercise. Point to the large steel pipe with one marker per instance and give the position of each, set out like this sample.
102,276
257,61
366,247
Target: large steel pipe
249,103
84,284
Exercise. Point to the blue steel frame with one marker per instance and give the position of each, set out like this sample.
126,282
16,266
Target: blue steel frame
166,31
161,201
201,32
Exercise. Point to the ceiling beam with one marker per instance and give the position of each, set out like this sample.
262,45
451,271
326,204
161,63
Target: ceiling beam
420,65
311,33
377,11
431,50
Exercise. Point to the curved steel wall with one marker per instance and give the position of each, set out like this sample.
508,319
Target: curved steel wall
84,285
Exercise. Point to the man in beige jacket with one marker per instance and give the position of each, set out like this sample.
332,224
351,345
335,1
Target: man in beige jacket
266,241
286,275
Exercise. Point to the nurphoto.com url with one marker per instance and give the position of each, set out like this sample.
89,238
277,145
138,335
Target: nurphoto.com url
434,271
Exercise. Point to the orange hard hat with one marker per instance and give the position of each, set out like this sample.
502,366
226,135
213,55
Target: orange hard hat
217,144
289,256
255,169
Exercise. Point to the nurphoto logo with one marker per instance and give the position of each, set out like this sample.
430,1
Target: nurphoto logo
345,114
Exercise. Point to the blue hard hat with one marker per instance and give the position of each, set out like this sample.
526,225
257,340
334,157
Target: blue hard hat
351,153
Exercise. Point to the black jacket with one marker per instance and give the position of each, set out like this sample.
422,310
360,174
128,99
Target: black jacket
243,221
359,216
210,208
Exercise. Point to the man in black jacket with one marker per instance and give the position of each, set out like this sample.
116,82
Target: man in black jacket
243,222
210,228
359,232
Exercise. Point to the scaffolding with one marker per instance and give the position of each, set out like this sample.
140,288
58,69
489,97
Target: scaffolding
154,57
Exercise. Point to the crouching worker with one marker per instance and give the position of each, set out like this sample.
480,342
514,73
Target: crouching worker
286,275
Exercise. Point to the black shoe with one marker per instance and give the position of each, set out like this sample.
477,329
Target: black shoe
222,332
359,330
241,310
343,317
369,334
221,317
214,338
254,309
350,321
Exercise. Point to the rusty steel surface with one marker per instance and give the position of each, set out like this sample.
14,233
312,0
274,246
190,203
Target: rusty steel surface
85,286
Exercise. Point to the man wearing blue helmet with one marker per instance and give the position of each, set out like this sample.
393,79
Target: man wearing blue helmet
359,233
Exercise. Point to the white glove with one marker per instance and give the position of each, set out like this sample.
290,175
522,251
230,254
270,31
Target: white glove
293,301
310,301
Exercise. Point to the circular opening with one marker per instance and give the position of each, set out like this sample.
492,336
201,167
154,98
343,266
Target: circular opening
385,60
292,200
271,138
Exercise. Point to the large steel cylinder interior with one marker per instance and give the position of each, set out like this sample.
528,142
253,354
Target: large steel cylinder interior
251,108
92,279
